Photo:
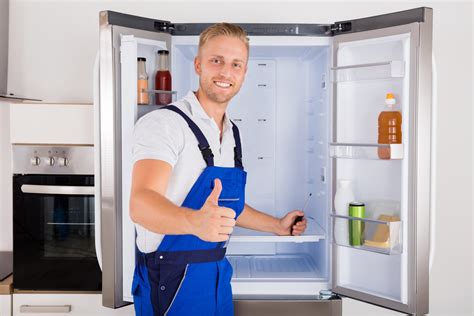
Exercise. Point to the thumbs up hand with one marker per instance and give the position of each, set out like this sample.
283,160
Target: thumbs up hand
216,192
212,222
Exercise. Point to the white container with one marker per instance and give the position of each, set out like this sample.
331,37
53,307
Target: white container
343,197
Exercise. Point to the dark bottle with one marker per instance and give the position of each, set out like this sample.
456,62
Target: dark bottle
163,79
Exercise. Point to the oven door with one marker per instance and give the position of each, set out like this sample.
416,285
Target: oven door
53,233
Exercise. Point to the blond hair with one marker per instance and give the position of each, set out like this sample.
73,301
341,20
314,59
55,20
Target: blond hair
225,29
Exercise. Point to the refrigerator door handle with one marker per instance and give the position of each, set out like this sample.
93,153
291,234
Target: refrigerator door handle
434,128
97,228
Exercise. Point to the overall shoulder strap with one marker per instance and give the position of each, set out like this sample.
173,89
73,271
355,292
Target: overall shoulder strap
202,141
238,147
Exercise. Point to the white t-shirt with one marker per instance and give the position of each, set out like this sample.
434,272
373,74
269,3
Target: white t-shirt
165,135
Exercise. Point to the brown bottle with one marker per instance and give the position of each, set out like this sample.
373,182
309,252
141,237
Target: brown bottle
390,127
163,79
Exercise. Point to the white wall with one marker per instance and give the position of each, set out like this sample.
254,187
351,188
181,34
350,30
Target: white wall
6,216
52,48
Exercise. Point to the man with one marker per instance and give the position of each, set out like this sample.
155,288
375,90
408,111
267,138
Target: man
189,154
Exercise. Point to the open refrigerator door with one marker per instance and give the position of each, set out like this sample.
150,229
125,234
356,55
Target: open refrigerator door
122,41
380,246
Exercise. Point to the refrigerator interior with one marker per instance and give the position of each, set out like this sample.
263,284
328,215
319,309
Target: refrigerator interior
282,112
284,115
381,183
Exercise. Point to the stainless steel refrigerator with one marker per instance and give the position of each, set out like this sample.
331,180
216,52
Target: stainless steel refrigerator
308,115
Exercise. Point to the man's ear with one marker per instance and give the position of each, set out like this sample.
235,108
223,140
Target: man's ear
197,65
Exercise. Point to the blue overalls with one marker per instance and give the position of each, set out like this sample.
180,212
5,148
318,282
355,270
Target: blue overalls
187,276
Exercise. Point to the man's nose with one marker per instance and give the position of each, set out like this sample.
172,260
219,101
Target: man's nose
226,70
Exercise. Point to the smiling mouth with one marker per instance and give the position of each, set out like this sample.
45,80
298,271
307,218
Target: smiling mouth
222,84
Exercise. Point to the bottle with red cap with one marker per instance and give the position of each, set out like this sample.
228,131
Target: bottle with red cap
163,79
390,126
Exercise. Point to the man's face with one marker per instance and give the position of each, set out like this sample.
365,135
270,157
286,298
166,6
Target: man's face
221,65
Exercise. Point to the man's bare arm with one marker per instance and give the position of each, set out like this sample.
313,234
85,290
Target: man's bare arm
148,205
252,219
151,209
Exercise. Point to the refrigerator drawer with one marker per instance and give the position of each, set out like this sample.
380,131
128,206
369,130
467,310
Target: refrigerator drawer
331,307
78,304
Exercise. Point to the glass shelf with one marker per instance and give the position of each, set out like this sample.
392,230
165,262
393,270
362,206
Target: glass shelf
160,91
313,233
144,108
366,151
382,70
382,235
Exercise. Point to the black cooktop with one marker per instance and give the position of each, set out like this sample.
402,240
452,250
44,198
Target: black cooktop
6,264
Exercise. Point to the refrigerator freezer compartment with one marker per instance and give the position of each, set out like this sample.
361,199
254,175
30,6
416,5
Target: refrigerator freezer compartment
366,151
275,267
369,71
283,307
382,235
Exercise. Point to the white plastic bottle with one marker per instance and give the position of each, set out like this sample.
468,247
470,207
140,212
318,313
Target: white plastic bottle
343,197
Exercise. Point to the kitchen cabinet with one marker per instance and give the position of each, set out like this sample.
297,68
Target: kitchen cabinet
6,296
5,305
70,304
41,123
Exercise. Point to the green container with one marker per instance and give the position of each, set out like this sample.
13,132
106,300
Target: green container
356,228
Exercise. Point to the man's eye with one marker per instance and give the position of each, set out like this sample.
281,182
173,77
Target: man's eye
237,65
215,61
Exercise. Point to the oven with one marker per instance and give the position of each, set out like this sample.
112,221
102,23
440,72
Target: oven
53,219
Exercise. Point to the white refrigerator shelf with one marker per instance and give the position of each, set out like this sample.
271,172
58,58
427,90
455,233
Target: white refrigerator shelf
370,71
313,234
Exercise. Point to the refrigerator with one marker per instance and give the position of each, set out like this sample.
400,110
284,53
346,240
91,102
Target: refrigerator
307,113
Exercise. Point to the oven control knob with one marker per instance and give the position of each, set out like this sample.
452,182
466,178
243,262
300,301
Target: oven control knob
63,161
51,161
35,161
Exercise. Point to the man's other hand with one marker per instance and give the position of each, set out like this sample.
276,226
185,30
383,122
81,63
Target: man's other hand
288,225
